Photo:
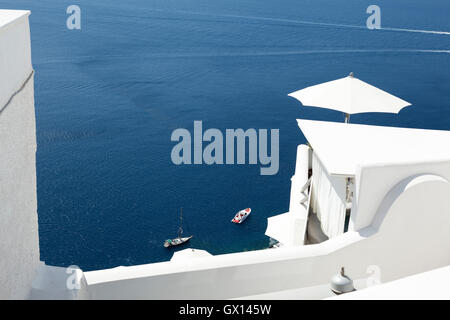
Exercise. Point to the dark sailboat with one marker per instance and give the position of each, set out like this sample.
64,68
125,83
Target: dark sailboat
180,239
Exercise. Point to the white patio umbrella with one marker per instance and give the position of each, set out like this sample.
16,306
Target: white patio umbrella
349,95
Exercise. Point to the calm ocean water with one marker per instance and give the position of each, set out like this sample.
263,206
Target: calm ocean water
109,96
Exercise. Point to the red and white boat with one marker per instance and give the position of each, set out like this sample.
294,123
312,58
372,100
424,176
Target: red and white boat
241,216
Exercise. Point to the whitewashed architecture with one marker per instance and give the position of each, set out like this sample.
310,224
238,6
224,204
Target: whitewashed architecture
430,285
19,240
375,200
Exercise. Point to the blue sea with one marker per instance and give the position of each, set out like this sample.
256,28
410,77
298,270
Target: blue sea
108,97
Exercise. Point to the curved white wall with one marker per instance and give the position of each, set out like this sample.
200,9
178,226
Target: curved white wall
372,183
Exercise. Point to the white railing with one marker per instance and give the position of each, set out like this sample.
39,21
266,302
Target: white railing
305,191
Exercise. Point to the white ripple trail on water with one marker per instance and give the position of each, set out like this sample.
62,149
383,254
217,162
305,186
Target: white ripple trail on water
76,59
304,22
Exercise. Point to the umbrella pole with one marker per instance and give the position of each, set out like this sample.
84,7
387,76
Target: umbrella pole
347,117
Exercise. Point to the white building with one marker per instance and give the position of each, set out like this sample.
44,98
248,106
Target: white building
19,240
375,200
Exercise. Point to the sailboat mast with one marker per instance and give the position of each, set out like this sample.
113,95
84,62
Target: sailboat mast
180,230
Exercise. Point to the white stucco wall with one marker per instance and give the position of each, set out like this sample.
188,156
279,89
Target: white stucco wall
19,241
431,285
407,235
371,187
15,52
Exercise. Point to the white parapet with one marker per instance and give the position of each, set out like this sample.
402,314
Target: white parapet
406,236
289,228
15,52
19,240
431,285
187,255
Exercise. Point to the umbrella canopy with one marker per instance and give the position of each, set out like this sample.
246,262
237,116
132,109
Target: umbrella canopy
349,95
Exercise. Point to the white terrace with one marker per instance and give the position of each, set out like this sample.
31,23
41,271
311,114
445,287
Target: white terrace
368,205
377,198
329,165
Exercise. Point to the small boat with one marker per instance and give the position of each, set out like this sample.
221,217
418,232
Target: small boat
241,216
178,240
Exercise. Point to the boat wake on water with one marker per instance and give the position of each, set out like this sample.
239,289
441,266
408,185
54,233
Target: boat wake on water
303,22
